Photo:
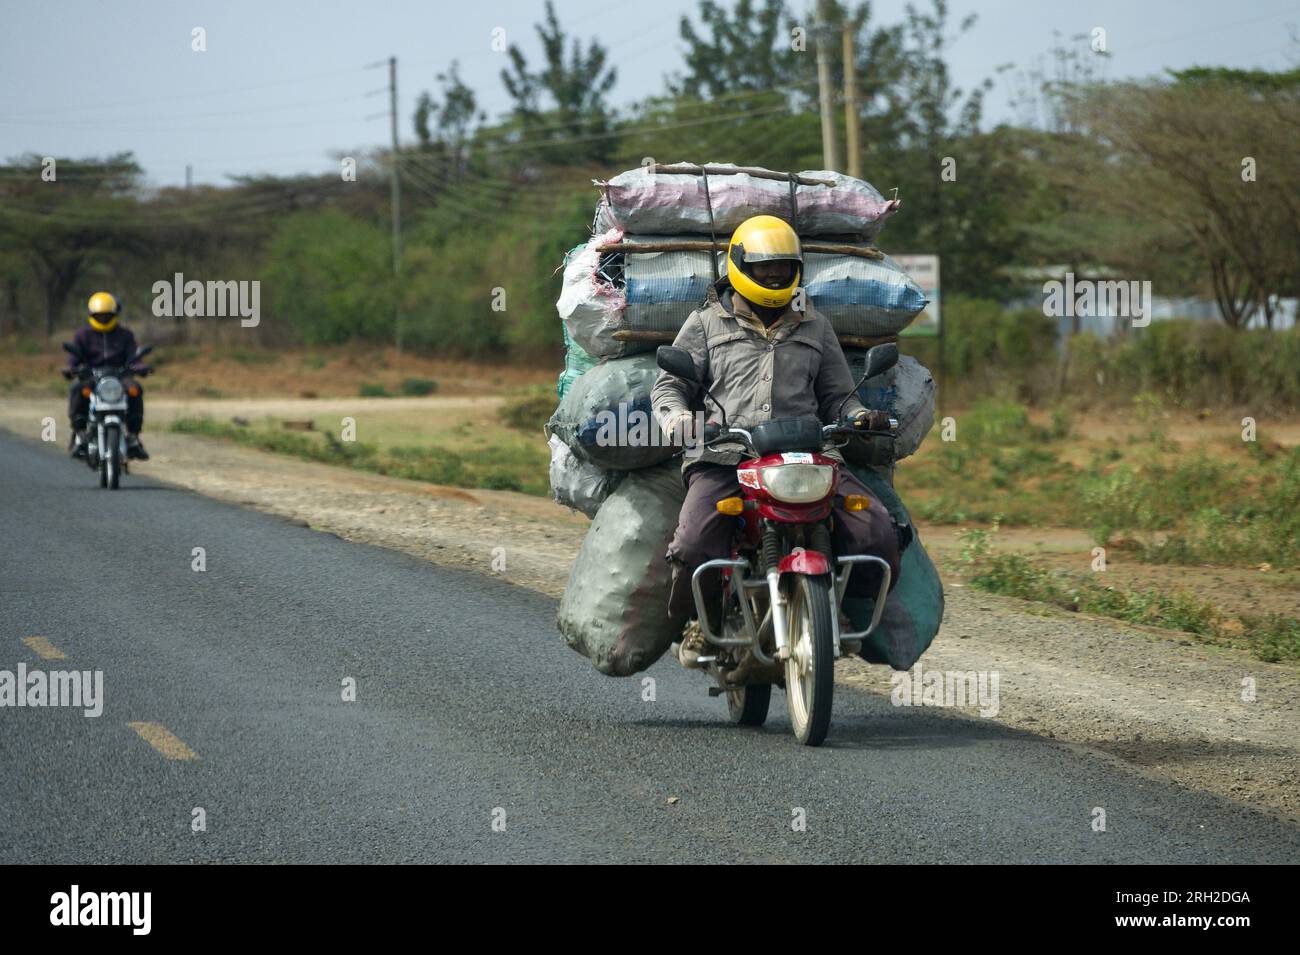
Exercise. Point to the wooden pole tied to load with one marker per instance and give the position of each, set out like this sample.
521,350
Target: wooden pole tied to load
692,169
667,338
704,245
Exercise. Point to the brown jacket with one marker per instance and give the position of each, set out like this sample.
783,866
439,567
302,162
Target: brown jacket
800,371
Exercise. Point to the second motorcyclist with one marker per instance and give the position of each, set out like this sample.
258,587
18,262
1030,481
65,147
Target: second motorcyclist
104,341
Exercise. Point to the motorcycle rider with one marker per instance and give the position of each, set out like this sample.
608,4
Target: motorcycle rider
761,359
104,341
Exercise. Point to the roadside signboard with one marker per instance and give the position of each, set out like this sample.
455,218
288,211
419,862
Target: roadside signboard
924,270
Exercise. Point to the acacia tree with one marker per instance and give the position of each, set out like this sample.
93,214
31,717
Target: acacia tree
760,51
562,107
444,126
60,226
1212,159
937,116
747,49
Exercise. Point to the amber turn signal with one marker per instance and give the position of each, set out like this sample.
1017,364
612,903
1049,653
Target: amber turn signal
85,392
133,391
856,502
731,505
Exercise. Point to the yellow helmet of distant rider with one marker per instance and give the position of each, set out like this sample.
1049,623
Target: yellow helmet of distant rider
104,309
765,239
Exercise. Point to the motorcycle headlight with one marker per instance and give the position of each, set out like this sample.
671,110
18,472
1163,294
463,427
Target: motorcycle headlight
798,483
109,390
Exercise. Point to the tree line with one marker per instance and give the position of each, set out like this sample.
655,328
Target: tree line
1187,179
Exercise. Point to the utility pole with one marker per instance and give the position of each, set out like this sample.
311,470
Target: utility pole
395,194
189,176
852,145
397,206
830,157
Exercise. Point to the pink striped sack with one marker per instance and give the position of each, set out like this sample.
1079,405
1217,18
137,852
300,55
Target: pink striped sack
666,203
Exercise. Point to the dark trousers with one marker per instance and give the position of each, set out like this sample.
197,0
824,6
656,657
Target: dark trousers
79,408
704,534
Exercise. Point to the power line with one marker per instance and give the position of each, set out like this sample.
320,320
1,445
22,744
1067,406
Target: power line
1218,28
190,96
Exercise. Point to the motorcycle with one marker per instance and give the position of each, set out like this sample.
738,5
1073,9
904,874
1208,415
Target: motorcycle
782,586
107,387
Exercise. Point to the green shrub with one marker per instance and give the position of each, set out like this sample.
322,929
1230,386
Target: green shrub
249,356
1191,364
331,277
371,389
530,413
415,387
501,481
1271,638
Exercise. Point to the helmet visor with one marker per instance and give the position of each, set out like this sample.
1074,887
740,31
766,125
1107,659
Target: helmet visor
773,273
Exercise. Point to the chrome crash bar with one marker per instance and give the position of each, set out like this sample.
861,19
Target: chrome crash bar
847,563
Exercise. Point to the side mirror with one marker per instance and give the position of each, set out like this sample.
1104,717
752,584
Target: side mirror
880,359
71,349
676,361
141,352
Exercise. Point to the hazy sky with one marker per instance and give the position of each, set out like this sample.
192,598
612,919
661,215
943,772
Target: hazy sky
282,84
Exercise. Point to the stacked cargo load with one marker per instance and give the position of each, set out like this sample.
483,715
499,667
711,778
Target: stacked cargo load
657,254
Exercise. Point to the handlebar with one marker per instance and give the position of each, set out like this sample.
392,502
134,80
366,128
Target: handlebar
120,371
714,432
854,431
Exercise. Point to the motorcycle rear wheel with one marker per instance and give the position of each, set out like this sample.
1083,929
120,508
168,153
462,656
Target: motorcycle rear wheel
810,669
747,705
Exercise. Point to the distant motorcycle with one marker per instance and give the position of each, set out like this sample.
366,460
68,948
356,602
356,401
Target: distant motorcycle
783,585
107,388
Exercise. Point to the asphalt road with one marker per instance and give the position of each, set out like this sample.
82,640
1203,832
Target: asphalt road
469,709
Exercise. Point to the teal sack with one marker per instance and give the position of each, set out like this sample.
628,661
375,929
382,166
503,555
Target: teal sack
914,608
576,359
576,363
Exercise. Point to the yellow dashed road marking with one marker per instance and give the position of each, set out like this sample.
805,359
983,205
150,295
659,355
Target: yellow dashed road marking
163,740
44,649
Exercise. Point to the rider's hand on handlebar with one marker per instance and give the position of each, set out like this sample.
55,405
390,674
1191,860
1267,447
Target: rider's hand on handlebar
685,430
68,373
871,421
681,429
142,371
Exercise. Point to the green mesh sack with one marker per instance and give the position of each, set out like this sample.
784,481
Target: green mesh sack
576,362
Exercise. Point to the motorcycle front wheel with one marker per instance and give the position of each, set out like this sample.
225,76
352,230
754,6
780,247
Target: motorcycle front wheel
112,472
810,669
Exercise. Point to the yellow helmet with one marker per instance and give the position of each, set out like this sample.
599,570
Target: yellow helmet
104,309
764,239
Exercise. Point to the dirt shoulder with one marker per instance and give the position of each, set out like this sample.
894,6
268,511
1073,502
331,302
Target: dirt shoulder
1149,699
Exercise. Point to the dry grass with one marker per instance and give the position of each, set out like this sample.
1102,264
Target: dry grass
31,370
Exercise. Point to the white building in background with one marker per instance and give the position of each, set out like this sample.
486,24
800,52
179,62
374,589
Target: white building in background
1104,322
1201,309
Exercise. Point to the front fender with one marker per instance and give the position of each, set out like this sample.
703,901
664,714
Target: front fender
802,561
